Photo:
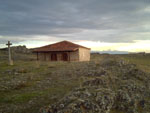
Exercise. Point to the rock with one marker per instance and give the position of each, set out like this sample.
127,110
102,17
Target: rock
22,70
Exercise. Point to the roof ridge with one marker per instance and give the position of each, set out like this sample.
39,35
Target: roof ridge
75,44
63,45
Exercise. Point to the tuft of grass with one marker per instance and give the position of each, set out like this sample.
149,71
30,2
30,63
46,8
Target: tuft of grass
21,85
25,97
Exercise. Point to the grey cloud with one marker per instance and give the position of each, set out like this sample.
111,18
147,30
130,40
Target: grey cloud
71,17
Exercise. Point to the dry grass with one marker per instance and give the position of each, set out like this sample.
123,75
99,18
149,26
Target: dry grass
142,61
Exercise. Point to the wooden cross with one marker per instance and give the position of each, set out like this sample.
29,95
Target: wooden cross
9,53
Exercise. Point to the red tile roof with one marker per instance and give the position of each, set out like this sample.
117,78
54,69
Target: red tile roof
60,46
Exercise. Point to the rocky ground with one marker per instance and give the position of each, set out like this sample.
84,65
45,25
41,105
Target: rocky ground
106,84
109,86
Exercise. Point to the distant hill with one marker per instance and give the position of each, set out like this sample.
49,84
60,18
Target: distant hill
110,52
18,49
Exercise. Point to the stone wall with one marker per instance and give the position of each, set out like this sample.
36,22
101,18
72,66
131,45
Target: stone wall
74,56
79,55
41,56
84,54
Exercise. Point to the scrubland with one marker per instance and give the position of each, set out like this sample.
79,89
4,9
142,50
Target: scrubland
106,84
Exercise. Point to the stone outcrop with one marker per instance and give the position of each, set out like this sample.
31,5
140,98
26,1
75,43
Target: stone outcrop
110,87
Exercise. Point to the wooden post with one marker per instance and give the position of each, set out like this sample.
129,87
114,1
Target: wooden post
45,56
37,56
69,56
9,53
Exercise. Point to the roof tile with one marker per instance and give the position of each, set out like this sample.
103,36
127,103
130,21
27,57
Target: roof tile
60,46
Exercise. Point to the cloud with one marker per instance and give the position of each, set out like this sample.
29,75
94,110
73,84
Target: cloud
97,20
136,46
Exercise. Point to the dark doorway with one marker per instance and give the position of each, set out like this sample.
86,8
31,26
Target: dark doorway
53,57
64,56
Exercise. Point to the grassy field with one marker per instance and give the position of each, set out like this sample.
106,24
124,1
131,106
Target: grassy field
29,85
142,61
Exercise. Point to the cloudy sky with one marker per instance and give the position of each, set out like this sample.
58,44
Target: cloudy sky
122,25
